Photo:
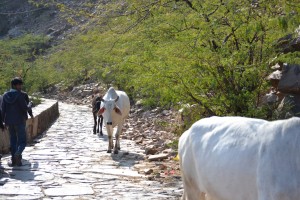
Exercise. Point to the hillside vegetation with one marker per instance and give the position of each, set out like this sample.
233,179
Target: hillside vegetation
213,54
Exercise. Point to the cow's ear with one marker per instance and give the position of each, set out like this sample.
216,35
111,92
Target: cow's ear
118,111
101,111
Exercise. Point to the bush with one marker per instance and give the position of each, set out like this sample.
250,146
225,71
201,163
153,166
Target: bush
16,59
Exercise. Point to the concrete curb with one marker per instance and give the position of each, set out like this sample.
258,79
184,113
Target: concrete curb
44,115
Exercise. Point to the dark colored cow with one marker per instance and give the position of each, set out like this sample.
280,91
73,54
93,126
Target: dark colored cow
98,120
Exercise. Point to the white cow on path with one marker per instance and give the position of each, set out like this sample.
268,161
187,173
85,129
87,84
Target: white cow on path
236,158
114,108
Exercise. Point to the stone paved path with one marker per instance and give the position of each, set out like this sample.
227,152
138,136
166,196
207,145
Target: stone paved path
69,162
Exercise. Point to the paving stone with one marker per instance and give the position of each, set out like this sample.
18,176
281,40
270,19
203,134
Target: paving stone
69,190
19,189
25,197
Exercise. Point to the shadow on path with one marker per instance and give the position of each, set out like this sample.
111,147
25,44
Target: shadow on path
25,172
123,158
127,159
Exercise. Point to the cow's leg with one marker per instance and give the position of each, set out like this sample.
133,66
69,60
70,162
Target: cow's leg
95,123
118,141
101,123
98,124
207,197
118,133
191,191
110,139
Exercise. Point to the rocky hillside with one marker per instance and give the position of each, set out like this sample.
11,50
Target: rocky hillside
19,17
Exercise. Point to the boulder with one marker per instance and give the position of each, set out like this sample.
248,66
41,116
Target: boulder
290,79
289,107
288,43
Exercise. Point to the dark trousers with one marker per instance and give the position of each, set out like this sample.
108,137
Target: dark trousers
17,139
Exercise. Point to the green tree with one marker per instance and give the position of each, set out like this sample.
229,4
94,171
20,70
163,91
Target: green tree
214,54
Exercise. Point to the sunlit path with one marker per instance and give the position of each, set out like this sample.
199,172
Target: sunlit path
69,162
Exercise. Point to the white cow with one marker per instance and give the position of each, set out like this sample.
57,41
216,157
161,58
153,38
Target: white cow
114,108
236,158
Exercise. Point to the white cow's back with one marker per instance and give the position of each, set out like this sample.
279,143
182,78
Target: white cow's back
221,155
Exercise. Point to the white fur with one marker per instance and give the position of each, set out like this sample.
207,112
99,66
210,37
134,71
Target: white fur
236,158
111,116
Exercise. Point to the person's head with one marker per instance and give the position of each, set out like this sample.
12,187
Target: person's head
17,83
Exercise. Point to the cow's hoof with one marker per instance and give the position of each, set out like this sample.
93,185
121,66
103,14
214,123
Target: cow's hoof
109,151
101,134
116,151
94,133
119,148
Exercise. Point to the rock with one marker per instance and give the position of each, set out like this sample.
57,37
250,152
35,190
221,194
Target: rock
139,140
158,157
50,30
139,103
277,66
150,150
162,167
270,98
146,114
165,112
148,171
276,75
86,92
15,32
288,43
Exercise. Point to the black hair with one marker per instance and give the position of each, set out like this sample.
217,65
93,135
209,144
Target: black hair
16,81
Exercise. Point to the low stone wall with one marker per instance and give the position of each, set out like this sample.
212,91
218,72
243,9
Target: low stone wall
44,115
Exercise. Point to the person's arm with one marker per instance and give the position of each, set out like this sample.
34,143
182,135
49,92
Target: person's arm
2,113
23,104
30,110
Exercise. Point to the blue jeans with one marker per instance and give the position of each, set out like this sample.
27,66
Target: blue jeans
17,139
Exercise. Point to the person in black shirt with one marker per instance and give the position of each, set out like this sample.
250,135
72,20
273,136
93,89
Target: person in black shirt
14,113
1,121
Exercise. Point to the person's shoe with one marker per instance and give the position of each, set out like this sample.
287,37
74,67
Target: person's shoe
18,160
12,163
